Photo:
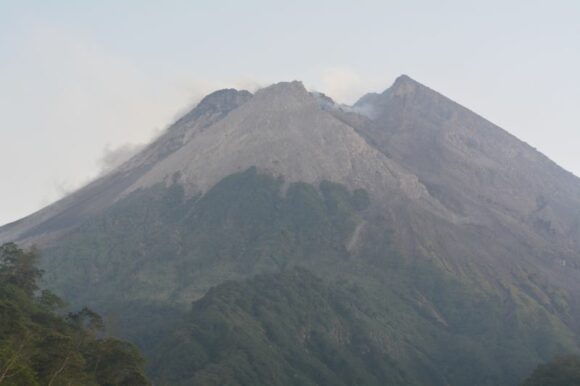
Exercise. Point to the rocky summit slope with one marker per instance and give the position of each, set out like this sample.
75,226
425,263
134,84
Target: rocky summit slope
442,249
473,167
498,184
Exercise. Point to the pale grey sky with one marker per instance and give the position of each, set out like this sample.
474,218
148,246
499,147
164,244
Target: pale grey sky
80,79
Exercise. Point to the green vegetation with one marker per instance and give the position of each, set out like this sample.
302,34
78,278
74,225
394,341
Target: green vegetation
279,330
157,246
40,347
143,262
561,371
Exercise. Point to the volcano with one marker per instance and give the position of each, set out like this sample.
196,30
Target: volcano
281,238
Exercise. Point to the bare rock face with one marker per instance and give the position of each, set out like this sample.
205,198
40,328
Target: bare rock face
478,171
210,109
464,159
282,130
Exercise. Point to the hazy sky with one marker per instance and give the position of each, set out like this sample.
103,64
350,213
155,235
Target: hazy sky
80,80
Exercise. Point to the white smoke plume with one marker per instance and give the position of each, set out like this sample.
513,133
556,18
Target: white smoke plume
114,157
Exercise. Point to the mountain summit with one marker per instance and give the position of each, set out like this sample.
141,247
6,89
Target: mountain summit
403,240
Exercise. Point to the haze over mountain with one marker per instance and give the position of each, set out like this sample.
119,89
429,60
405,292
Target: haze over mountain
401,240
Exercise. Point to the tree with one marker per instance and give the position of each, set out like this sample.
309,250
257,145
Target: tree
40,347
116,363
18,267
87,320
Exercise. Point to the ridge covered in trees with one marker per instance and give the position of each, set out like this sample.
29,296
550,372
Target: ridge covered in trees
286,329
40,346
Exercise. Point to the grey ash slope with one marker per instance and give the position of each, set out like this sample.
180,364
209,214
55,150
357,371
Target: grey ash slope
445,144
283,131
476,169
507,193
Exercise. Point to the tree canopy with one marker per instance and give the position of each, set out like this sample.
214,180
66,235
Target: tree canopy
38,346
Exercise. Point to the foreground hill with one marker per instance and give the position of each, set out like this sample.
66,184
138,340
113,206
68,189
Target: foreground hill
445,249
282,329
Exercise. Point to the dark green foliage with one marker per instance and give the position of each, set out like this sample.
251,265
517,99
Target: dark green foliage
278,330
116,363
561,371
19,267
39,347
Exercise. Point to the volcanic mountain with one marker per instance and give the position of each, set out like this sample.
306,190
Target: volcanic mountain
403,240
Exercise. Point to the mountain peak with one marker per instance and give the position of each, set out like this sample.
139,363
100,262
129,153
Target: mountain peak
404,85
285,96
223,100
370,104
217,104
293,87
404,78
